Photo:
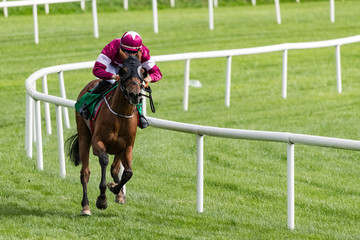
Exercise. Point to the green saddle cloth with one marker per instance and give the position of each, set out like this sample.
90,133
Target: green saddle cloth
91,99
88,98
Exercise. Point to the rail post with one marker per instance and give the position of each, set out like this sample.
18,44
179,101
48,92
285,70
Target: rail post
338,68
36,26
46,106
211,14
290,186
186,84
60,136
228,81
332,11
95,19
200,174
5,10
63,95
39,150
277,8
155,16
28,125
284,73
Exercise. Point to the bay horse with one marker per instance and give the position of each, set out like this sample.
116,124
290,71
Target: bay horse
114,132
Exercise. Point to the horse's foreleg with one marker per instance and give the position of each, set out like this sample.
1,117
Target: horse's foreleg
101,202
100,151
115,170
127,174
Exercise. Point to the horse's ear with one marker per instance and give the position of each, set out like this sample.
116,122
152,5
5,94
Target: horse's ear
139,54
122,54
144,72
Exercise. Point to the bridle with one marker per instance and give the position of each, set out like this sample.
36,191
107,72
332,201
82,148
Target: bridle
126,72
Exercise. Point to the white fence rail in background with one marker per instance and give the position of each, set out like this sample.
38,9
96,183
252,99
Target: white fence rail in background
211,5
82,5
34,4
285,47
214,3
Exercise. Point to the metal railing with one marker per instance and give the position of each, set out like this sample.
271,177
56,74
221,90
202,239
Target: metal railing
33,113
199,55
200,131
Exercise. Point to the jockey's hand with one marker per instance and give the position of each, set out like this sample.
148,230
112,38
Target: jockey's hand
147,80
116,77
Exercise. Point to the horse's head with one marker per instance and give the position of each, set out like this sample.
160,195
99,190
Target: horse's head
131,79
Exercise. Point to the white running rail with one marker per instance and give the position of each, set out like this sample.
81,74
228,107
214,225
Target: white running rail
289,138
33,116
187,57
34,3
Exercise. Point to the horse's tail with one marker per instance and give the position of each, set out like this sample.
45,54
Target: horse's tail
72,145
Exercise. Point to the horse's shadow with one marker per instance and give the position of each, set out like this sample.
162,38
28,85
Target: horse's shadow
13,210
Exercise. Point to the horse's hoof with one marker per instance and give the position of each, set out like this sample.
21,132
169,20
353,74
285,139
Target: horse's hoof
85,211
101,203
112,187
120,198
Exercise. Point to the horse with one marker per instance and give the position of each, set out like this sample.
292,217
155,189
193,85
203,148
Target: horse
114,132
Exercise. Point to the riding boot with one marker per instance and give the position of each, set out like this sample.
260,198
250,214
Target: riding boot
102,85
84,109
143,122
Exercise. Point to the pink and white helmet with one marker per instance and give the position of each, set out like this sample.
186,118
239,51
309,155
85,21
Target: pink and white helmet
131,41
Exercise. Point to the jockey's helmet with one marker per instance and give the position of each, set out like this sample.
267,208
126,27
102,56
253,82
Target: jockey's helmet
131,41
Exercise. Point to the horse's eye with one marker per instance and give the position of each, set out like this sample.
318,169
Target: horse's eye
123,71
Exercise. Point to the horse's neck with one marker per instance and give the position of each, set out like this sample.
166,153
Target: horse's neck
120,104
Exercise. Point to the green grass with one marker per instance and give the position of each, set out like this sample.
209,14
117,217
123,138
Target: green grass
245,181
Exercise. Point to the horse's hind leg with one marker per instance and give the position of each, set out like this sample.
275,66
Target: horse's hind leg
115,170
84,148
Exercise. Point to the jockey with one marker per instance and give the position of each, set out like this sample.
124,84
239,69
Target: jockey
109,61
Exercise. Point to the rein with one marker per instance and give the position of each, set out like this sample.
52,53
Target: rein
148,90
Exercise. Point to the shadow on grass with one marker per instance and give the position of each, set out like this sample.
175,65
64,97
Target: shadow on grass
13,210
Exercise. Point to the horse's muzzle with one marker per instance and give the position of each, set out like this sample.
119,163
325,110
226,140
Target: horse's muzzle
134,98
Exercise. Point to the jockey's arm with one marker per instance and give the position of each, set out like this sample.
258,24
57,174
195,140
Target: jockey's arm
99,70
